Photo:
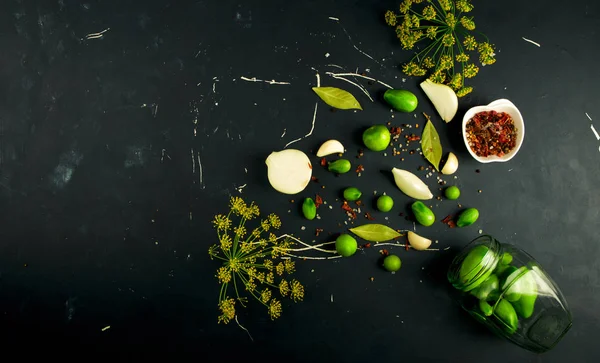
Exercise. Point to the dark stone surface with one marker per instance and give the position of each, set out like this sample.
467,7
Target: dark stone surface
103,222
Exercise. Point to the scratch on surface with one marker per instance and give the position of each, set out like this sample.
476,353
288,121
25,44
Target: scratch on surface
200,172
334,75
359,86
334,18
588,116
193,162
163,153
282,135
254,79
106,328
312,128
331,297
241,188
595,132
96,35
352,42
531,41
240,325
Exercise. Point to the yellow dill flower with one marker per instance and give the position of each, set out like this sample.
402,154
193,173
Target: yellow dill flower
268,264
410,68
464,6
470,70
274,221
467,22
280,268
446,62
272,237
284,288
456,82
417,1
439,76
250,286
265,225
429,12
225,242
470,43
428,63
265,295
238,206
487,60
274,309
464,91
405,6
270,277
251,272
445,4
251,211
227,307
221,222
240,231
235,264
431,32
297,290
448,40
415,21
260,277
390,18
256,232
290,266
462,57
450,20
224,275
213,251
486,53
246,247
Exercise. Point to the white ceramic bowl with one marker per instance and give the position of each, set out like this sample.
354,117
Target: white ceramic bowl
501,105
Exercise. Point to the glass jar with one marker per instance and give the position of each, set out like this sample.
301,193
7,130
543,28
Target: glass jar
507,290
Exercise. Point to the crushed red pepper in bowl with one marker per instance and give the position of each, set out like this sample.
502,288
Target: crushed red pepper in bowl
491,133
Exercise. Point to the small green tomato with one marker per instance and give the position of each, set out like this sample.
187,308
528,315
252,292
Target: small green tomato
392,263
385,203
346,245
452,192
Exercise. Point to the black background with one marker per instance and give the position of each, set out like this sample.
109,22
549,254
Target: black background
96,191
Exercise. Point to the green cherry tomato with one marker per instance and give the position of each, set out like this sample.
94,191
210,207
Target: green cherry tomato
346,245
377,138
392,263
385,203
452,192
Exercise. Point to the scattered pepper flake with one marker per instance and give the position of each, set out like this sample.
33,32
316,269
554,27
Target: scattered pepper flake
368,216
366,245
412,137
361,153
351,213
449,220
360,168
395,130
477,171
318,200
323,162
318,231
314,178
372,279
358,203
384,252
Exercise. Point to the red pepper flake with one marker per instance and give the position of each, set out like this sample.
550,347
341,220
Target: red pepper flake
395,130
314,178
413,137
318,231
491,133
449,220
358,203
360,168
384,252
361,153
366,245
406,245
318,200
351,213
368,216
323,162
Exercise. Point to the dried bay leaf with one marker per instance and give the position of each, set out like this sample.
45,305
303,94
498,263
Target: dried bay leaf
375,232
337,98
430,144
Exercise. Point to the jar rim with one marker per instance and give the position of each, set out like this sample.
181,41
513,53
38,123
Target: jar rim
485,266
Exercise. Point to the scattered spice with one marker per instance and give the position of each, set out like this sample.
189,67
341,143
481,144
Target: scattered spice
449,220
417,125
291,201
368,216
318,200
366,245
479,191
351,213
412,137
323,162
384,252
318,231
360,168
372,279
360,153
358,203
491,133
314,178
395,130
477,171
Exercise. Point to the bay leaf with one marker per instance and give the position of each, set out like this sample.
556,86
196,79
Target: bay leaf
375,232
337,98
431,146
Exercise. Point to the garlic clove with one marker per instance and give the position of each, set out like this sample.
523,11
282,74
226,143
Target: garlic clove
330,147
417,242
411,185
289,171
451,165
443,98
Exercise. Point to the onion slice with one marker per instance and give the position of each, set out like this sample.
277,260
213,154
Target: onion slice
411,185
289,171
443,98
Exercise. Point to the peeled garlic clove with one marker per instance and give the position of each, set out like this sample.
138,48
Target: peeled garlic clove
451,165
417,242
330,147
289,171
443,98
411,185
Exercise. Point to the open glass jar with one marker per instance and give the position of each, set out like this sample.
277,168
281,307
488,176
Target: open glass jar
507,290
